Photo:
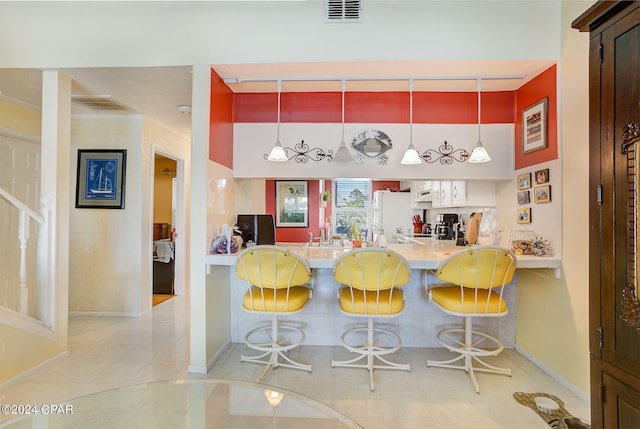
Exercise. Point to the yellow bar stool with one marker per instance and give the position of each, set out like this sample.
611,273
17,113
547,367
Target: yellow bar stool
277,285
371,282
477,277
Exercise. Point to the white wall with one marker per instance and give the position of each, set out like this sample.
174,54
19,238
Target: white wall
156,138
105,258
546,218
252,141
111,270
219,32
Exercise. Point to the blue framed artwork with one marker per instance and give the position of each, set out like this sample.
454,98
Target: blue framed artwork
101,178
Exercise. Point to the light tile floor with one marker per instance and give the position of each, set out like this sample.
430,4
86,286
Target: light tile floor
109,352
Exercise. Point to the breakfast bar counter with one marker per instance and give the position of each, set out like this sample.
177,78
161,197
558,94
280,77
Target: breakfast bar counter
426,255
322,320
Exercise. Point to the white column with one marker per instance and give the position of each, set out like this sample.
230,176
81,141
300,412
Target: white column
201,90
56,184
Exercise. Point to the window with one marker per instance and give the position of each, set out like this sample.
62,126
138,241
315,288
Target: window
352,198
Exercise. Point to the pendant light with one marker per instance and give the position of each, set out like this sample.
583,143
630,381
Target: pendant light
411,156
479,153
343,154
278,154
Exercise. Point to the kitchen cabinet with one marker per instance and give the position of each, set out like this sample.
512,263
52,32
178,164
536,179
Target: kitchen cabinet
436,196
458,192
614,138
445,193
463,193
421,191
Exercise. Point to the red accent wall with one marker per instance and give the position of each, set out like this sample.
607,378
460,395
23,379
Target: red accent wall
221,122
295,234
382,185
543,85
375,107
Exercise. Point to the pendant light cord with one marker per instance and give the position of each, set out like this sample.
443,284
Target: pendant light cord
479,104
344,85
279,90
411,111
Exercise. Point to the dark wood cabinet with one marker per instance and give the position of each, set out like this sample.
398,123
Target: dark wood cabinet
614,241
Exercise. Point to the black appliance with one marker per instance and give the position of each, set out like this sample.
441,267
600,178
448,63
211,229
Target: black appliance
257,229
444,229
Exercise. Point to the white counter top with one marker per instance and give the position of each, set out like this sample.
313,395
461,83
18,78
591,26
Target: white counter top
420,256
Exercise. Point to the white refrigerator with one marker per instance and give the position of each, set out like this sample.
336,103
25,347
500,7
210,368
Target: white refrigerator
392,211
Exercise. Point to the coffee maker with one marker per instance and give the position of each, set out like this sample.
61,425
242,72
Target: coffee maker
444,229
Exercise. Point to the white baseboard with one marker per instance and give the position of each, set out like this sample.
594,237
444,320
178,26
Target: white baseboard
22,375
201,369
105,313
563,381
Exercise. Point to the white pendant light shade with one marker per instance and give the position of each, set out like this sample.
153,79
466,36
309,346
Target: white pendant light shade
411,155
277,153
343,154
479,153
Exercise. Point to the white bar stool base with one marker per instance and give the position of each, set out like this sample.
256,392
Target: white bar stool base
275,347
367,348
469,352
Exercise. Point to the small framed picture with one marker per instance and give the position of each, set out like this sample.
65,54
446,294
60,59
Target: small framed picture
524,215
542,194
524,181
292,203
523,197
541,176
534,126
100,180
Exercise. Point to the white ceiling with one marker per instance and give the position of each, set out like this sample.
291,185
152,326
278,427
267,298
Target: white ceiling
157,91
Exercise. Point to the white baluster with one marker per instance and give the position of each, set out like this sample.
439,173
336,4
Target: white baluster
23,236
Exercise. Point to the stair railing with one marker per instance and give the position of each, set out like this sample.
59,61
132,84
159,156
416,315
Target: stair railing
45,257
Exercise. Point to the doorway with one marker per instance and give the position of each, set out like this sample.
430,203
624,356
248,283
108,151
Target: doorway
167,220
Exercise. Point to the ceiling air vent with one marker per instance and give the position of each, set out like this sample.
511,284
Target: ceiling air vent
99,102
343,10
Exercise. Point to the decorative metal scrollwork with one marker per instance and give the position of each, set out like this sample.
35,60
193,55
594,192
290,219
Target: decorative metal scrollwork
630,308
301,153
446,154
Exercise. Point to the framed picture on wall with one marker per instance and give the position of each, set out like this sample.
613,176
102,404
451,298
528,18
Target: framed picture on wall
542,194
100,180
292,203
524,215
534,127
524,181
542,176
523,197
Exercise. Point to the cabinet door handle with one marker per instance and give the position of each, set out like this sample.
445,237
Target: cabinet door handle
454,192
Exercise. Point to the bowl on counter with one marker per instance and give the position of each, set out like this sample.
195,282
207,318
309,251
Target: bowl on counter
547,405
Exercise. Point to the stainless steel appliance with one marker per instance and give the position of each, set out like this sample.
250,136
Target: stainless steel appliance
444,229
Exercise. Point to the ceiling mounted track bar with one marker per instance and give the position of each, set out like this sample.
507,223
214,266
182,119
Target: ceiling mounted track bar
369,79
